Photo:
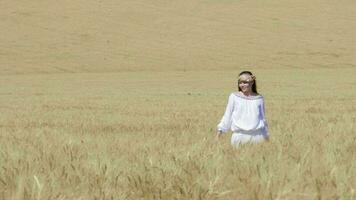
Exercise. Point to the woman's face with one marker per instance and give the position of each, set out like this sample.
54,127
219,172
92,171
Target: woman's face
245,83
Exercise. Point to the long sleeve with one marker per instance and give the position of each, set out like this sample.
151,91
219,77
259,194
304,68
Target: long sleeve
225,123
264,116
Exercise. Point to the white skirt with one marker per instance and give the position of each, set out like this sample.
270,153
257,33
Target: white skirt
248,137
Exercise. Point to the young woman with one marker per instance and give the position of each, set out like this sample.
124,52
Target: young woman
245,113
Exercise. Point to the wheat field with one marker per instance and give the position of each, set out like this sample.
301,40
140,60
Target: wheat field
120,99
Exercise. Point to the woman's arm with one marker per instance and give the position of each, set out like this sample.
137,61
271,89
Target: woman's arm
225,123
263,110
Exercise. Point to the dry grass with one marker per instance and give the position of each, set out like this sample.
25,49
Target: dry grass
120,99
150,136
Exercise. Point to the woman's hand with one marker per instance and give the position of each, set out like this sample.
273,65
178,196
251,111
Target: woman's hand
218,136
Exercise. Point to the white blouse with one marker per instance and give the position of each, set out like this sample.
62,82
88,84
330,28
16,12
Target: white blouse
244,114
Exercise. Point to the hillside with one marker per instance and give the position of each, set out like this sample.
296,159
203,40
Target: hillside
160,35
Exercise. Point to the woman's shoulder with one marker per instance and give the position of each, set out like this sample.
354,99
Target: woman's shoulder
252,97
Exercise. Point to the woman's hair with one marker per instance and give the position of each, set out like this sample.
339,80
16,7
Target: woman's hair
254,86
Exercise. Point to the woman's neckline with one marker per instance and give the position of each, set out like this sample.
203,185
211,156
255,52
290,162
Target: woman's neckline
252,97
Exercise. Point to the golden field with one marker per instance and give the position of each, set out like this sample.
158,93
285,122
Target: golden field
120,99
